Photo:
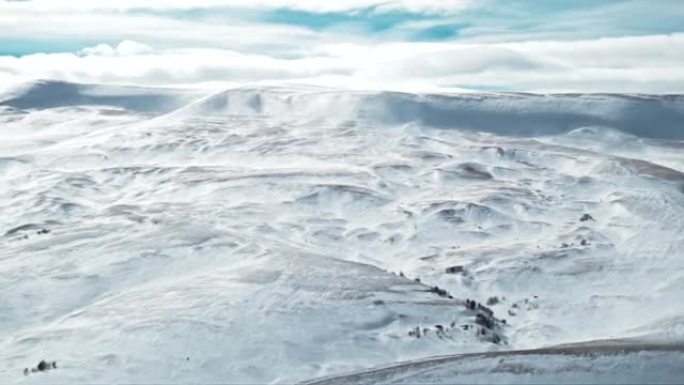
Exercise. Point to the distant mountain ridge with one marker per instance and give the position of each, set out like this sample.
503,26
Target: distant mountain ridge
517,114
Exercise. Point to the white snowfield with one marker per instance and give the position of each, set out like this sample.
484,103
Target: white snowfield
274,235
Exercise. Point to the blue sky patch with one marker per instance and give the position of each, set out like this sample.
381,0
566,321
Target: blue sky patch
20,46
439,32
367,19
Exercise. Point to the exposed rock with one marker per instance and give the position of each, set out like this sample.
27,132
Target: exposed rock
42,366
454,269
586,217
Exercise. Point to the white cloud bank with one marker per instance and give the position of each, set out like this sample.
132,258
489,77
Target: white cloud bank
159,50
649,64
426,6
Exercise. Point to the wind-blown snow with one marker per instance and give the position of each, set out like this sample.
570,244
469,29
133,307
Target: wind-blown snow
256,235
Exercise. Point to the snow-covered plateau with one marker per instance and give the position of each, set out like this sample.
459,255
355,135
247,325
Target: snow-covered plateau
299,234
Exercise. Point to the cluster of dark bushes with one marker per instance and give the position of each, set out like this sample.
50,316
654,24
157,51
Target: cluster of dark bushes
486,325
489,327
441,292
440,331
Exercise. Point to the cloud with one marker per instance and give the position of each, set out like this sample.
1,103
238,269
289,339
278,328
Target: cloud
82,27
125,48
291,26
519,45
627,64
131,62
427,6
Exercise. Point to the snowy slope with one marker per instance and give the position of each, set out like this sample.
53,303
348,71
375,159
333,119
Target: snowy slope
599,362
257,235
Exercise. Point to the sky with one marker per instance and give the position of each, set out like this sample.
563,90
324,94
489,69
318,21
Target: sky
424,45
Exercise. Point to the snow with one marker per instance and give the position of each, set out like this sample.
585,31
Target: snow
257,234
602,363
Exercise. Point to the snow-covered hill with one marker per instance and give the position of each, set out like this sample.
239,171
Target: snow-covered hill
598,362
272,234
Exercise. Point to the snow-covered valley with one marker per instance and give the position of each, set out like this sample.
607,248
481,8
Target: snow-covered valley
282,234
